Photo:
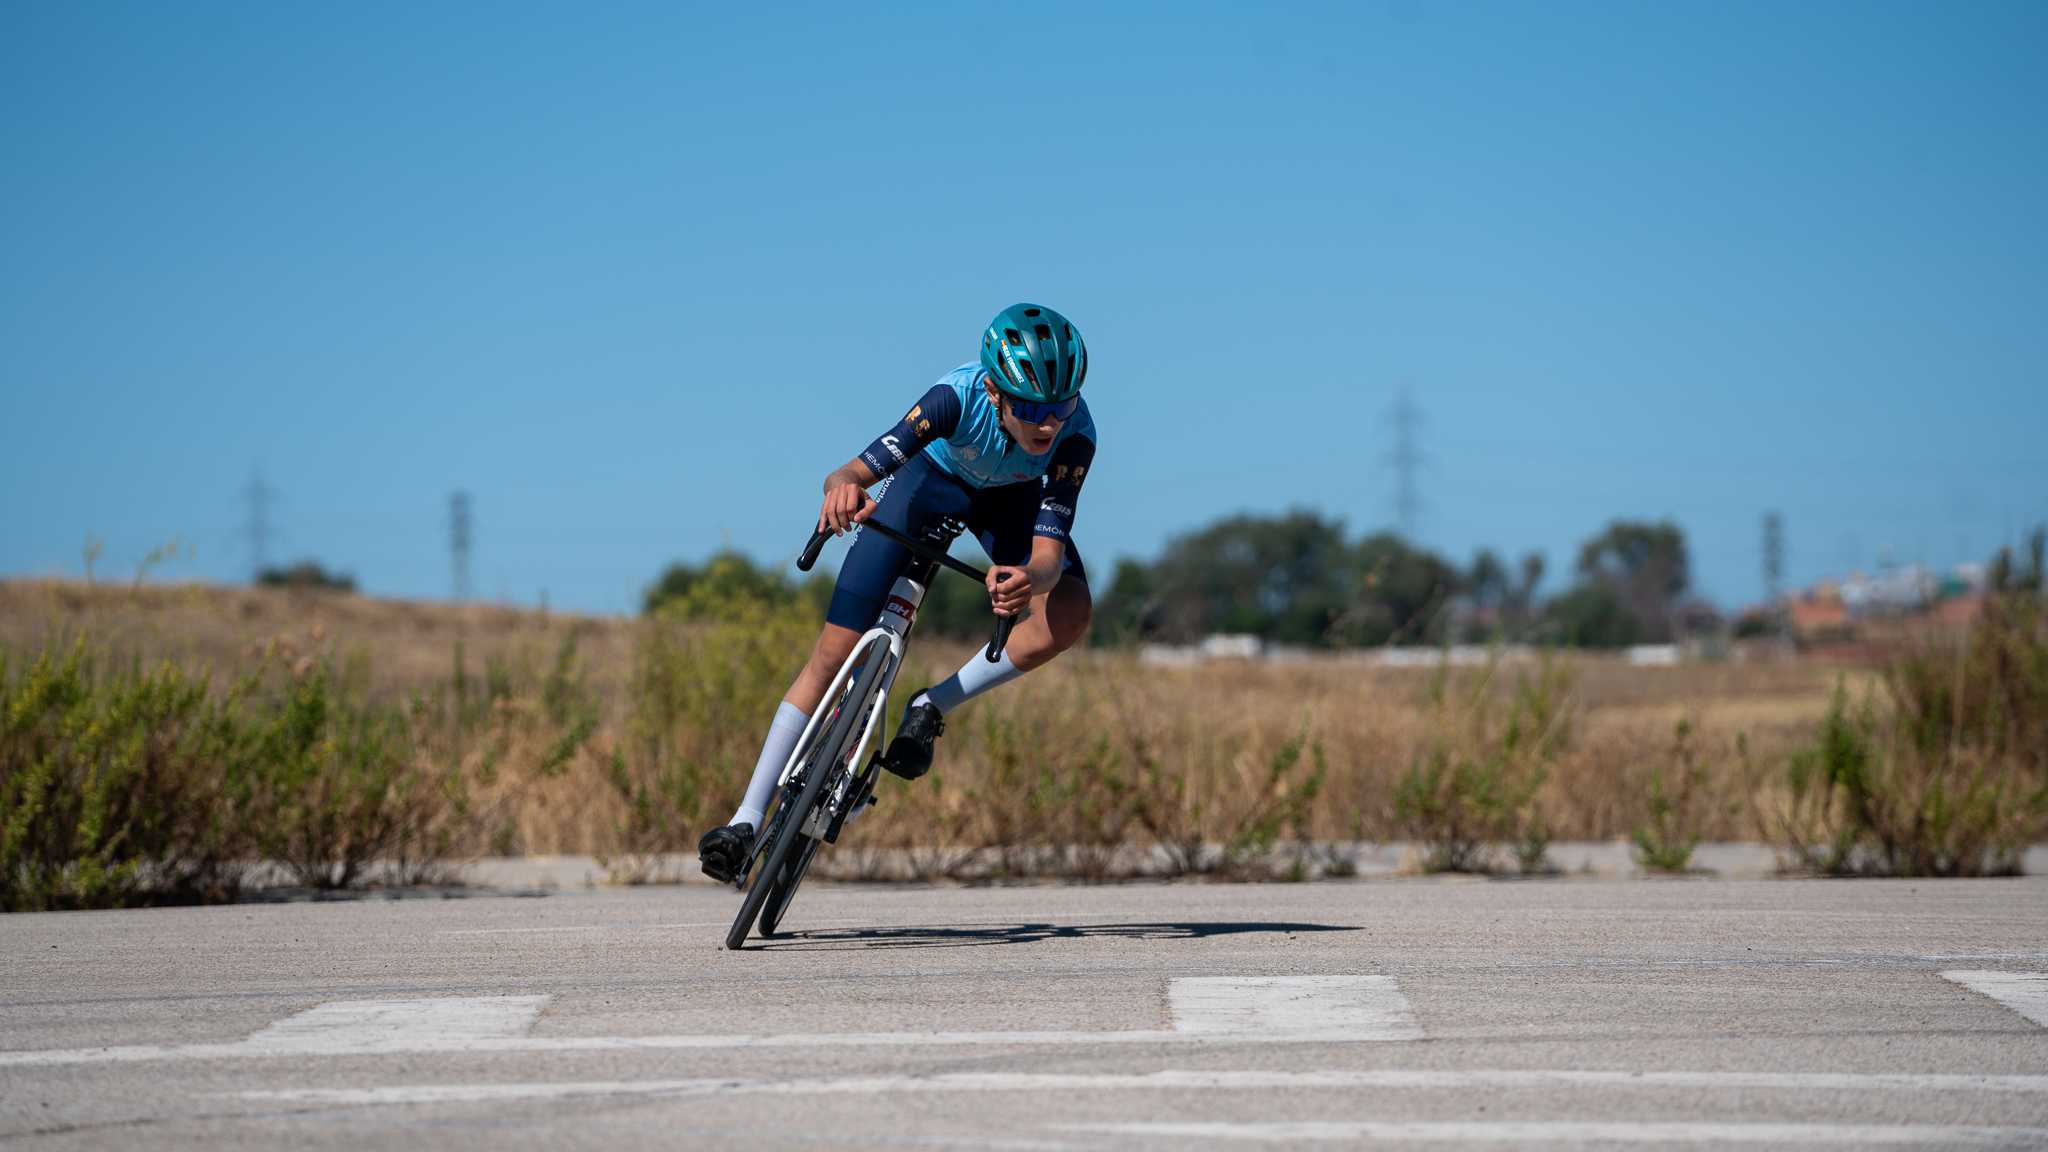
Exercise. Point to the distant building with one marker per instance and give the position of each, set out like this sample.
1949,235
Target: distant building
1862,609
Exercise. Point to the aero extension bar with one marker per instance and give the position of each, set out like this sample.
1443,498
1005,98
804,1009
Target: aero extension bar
925,551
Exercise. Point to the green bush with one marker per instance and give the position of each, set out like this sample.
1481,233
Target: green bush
1945,773
307,575
1664,842
145,784
1473,785
1231,834
708,670
111,786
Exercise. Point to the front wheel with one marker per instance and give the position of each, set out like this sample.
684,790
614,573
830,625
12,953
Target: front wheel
784,889
794,810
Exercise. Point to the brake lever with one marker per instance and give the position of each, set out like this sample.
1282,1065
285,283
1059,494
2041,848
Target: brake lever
811,550
1001,637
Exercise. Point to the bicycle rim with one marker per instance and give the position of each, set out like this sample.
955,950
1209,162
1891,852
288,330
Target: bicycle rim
785,887
853,711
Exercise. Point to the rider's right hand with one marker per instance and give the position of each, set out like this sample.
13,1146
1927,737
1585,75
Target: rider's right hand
845,505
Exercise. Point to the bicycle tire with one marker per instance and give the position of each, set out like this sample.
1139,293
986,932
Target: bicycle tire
785,887
853,710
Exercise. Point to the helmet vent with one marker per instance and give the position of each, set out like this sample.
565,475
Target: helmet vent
1031,311
1044,333
1015,337
1026,366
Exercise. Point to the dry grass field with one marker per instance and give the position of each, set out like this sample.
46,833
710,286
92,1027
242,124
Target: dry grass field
1093,751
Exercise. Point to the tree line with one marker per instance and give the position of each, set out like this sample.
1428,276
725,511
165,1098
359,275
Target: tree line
1300,579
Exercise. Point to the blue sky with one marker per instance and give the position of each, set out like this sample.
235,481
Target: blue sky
638,276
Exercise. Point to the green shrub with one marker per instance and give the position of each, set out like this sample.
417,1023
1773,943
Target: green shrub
137,785
1474,784
1234,833
708,670
1945,773
1280,804
111,786
336,789
1664,842
306,575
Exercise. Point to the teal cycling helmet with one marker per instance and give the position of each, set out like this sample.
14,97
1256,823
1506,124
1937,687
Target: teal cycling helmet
1032,353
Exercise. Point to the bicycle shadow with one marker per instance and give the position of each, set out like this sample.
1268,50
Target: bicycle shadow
979,935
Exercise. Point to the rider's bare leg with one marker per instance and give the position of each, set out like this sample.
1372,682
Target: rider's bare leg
834,645
1057,622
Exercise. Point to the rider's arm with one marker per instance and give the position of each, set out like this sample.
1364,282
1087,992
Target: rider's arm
934,417
846,498
1063,479
1055,522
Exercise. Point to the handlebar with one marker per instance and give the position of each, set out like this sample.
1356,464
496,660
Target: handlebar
996,642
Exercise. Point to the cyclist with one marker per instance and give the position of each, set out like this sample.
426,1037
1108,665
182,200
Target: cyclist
1002,445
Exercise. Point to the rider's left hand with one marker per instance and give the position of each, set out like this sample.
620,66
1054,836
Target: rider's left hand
1009,589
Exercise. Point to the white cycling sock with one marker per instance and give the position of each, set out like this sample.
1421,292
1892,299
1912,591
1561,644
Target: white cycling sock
783,734
974,677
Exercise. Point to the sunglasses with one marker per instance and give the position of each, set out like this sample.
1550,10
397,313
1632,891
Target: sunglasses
1035,412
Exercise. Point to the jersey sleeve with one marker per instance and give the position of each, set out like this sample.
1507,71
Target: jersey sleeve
1063,480
934,417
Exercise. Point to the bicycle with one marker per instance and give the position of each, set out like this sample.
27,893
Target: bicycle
819,787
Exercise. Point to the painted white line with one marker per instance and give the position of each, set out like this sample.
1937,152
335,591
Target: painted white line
536,930
346,1027
1234,1010
1479,1079
2024,992
1363,1008
127,1054
341,1028
1570,1132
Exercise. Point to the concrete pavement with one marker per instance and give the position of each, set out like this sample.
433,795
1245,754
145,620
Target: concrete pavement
1412,1013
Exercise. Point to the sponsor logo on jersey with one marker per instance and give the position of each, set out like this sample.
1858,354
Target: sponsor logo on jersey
894,448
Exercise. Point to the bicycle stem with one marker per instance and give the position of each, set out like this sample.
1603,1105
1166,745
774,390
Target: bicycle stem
920,549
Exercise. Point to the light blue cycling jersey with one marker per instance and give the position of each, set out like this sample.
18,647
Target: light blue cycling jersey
978,452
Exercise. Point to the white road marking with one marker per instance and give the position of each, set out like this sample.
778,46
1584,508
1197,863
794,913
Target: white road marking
340,1028
125,1054
347,1027
1575,1132
2024,992
1236,1010
540,929
1436,1079
1353,1008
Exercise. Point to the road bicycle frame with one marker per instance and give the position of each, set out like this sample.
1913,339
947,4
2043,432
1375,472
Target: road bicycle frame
891,630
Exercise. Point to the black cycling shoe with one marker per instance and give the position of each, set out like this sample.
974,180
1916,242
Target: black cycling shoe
723,852
910,754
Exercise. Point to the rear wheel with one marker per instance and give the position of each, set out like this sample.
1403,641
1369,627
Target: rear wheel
794,810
